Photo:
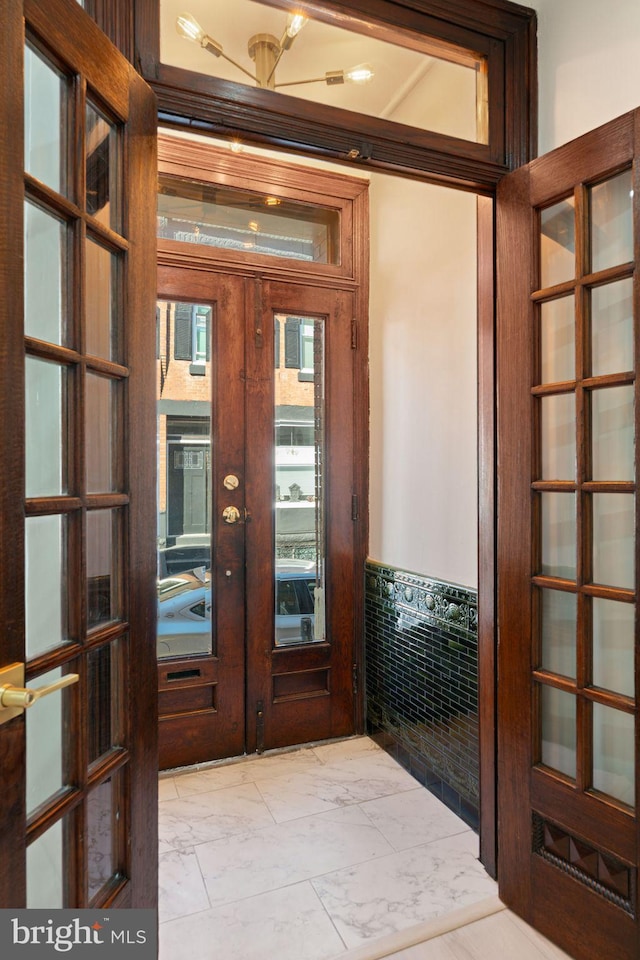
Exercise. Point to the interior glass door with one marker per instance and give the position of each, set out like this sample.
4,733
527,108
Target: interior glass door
68,730
569,570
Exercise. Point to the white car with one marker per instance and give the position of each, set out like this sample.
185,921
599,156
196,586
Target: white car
184,609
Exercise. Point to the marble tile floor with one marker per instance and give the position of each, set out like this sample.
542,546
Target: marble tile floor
311,854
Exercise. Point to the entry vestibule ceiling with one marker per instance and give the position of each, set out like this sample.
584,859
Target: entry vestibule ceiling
408,85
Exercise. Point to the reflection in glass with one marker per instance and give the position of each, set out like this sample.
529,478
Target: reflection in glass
45,594
104,567
44,275
104,683
557,243
47,730
101,829
299,481
614,753
100,285
558,436
613,646
557,340
416,81
46,869
612,222
558,747
558,530
613,539
220,216
612,328
101,412
44,121
559,619
184,332
100,144
46,409
613,434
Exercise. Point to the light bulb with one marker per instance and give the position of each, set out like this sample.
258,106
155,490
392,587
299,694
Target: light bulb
295,23
189,28
362,73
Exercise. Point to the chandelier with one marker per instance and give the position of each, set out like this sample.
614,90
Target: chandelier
266,51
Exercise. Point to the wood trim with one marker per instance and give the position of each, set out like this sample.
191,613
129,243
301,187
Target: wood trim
487,630
115,19
141,436
12,734
514,245
504,32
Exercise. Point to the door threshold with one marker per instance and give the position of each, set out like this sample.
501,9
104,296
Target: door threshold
277,751
401,940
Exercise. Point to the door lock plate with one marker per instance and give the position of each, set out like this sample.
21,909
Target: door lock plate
13,676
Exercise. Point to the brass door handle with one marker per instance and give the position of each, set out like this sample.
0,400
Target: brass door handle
14,698
230,514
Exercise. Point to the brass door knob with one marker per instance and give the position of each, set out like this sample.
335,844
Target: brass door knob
230,514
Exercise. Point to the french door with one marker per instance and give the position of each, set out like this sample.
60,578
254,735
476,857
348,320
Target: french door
256,612
568,415
77,174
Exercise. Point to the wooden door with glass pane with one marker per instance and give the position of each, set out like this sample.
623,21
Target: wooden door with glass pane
568,246
201,473
78,437
256,613
301,495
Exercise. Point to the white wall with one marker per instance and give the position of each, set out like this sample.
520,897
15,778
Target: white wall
423,514
589,65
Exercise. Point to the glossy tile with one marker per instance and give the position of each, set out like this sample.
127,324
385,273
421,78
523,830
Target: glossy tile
167,789
181,887
376,898
338,784
208,816
347,749
247,770
289,924
276,856
413,818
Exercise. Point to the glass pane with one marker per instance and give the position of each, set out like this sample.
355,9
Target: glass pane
558,530
613,753
370,69
104,567
612,222
557,243
184,479
557,340
45,594
299,479
101,167
613,646
104,687
613,539
612,328
100,274
219,216
558,429
101,439
559,624
47,733
44,121
102,831
558,719
44,276
47,870
613,434
46,418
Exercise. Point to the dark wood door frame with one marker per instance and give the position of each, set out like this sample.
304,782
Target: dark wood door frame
503,32
510,32
202,161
